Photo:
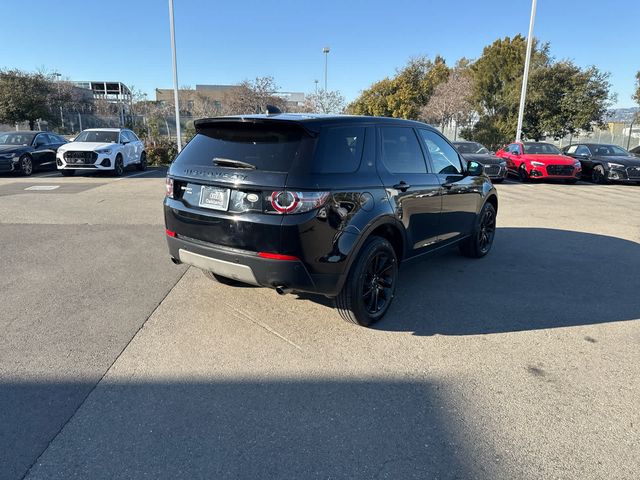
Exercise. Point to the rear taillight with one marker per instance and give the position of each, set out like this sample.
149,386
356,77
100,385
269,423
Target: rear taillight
169,187
288,202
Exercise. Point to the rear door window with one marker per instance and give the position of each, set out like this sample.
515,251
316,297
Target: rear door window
267,147
339,150
401,152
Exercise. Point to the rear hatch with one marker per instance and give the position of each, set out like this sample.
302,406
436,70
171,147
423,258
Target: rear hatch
226,177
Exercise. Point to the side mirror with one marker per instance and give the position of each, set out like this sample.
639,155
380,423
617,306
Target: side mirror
474,169
516,153
124,142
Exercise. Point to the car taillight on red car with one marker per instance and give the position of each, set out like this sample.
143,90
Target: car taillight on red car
169,187
289,202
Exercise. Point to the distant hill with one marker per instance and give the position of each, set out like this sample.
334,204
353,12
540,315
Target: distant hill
621,114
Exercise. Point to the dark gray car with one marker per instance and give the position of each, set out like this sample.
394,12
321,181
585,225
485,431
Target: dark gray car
24,152
494,167
603,163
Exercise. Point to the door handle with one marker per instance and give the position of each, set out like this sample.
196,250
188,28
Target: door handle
448,186
402,186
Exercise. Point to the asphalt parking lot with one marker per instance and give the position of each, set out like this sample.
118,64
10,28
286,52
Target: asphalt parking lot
115,363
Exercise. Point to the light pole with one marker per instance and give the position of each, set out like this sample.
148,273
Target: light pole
316,82
325,50
525,77
175,75
58,75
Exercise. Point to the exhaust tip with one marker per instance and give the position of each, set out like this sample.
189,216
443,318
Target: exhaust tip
281,289
175,261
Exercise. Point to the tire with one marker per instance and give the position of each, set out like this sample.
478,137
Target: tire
26,165
68,173
571,181
497,180
522,174
371,283
220,279
142,166
598,175
481,239
118,167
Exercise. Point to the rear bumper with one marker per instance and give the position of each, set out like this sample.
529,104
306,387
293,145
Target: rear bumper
248,267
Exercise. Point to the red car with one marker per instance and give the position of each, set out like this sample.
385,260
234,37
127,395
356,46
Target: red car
539,161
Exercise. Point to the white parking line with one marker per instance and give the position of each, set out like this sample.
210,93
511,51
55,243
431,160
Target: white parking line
134,175
42,187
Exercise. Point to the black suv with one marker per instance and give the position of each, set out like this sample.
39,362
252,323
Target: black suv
323,204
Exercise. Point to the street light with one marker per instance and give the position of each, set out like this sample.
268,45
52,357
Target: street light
58,75
325,50
316,82
175,74
525,78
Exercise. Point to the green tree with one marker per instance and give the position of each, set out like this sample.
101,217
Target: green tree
563,99
27,97
406,93
636,95
497,80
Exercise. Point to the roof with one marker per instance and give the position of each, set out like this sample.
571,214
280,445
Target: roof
312,121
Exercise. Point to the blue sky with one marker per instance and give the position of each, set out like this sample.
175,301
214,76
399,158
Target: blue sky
225,42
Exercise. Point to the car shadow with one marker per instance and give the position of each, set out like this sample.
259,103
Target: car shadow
534,278
263,428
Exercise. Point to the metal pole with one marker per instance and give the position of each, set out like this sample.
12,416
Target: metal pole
325,50
525,77
630,132
80,120
175,76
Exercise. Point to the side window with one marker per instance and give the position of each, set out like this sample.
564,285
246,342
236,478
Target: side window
401,152
572,149
514,148
339,150
582,150
41,139
444,157
133,136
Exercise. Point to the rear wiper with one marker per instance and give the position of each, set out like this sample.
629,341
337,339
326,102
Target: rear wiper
227,162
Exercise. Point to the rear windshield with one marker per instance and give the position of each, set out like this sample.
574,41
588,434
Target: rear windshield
271,148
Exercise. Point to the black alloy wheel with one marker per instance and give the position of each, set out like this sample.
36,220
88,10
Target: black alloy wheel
142,166
26,165
118,168
598,175
481,240
371,285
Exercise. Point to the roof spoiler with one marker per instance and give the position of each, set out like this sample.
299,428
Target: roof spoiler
203,123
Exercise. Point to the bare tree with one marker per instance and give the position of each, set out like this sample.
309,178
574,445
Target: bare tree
324,102
450,100
252,97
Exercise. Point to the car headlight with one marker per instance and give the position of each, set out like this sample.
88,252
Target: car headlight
104,151
503,164
614,165
8,155
537,164
577,165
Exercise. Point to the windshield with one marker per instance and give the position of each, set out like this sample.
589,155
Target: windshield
609,151
97,136
471,147
541,149
16,138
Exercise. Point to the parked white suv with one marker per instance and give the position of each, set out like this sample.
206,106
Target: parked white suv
99,149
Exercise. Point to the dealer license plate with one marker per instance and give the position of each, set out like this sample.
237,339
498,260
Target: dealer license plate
215,198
